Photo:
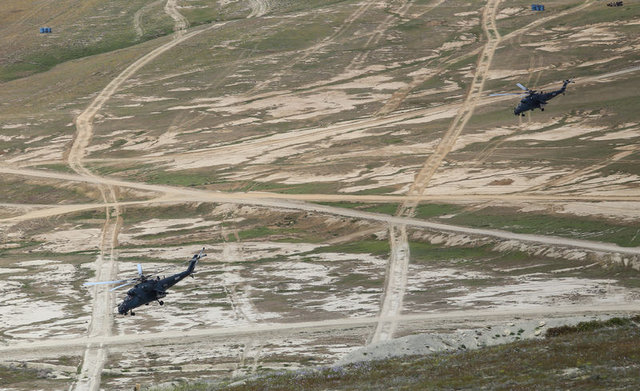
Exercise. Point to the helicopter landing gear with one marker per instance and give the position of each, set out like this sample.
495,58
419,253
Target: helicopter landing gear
542,109
132,313
522,114
160,302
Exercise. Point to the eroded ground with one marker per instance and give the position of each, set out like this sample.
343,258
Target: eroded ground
341,163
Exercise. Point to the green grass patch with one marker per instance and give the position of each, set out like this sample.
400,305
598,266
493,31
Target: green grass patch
376,247
623,234
425,211
595,359
591,326
426,252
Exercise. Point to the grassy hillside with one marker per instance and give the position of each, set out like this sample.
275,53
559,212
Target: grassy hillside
589,356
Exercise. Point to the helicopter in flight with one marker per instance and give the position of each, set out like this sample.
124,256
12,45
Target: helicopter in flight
148,289
532,99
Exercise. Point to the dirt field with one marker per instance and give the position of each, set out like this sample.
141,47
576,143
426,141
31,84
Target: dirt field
342,163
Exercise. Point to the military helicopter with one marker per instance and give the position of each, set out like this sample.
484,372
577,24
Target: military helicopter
148,289
532,99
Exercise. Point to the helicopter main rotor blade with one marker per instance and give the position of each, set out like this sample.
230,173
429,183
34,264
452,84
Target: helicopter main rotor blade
120,286
140,270
508,93
522,87
103,282
155,272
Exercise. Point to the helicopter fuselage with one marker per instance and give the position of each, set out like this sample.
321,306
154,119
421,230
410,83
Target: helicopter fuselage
150,290
537,100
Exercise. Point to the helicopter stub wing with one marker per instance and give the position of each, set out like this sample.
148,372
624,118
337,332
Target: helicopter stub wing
522,87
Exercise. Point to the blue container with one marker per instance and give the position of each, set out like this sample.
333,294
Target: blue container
541,8
42,30
48,29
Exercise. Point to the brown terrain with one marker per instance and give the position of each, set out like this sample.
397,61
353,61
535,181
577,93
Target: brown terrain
341,162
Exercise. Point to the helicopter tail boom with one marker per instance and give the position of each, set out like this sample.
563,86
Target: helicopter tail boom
194,261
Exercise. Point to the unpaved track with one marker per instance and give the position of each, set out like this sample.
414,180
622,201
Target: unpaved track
138,15
395,285
180,22
396,279
98,340
106,263
564,179
296,202
54,346
466,111
258,8
397,12
305,53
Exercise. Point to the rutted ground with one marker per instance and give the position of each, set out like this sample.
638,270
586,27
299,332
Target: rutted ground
334,103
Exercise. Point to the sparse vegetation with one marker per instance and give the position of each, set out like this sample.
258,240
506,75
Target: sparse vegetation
595,358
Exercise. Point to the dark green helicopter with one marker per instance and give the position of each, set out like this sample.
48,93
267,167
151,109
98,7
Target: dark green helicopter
534,100
148,289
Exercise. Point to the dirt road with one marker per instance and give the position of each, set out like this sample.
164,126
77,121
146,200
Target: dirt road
53,346
287,201
396,280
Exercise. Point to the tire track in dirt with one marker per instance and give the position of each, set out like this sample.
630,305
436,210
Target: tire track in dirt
568,178
137,26
300,202
395,284
397,234
106,269
258,8
465,112
180,22
303,54
396,278
194,335
45,211
400,11
241,304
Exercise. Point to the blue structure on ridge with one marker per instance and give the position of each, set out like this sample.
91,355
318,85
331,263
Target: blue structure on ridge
45,30
537,7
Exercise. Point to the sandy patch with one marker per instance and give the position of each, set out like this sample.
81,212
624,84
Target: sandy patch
621,134
23,314
381,177
67,241
561,133
461,339
594,35
471,180
291,107
444,113
535,292
156,226
629,211
596,62
488,135
509,12
353,304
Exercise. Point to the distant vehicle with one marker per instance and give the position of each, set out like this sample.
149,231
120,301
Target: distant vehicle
148,289
534,100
